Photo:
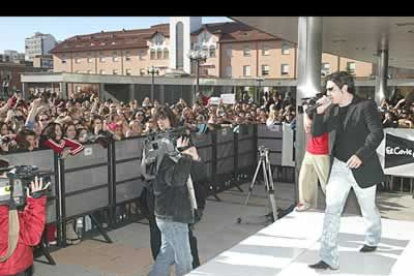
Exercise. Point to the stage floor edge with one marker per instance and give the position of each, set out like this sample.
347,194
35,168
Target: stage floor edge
288,246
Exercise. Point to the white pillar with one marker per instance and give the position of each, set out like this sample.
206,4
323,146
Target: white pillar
309,73
382,72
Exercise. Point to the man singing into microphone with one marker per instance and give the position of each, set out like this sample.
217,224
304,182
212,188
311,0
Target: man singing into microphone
356,131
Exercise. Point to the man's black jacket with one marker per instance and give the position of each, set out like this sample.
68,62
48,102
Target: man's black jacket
363,122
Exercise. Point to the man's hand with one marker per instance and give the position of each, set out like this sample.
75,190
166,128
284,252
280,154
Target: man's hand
324,102
193,153
354,162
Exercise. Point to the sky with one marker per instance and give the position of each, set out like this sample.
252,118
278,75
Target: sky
16,29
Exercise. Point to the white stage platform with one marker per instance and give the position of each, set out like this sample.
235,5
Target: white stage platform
288,246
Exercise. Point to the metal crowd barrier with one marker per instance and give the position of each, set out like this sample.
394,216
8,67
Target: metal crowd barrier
102,179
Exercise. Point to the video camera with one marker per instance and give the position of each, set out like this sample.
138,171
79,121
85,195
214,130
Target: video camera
13,188
160,143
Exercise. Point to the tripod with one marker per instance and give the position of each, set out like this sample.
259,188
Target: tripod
268,180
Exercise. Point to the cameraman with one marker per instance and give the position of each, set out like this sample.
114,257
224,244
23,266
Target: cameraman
173,207
31,222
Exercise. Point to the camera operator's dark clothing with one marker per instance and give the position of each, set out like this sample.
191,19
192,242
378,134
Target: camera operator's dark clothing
199,175
32,222
172,200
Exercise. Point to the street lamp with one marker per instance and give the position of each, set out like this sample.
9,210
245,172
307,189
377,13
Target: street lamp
152,70
197,56
259,80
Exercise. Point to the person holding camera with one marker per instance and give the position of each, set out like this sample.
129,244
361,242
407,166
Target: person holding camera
173,208
315,164
19,233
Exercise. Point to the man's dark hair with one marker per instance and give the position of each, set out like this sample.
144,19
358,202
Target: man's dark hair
163,111
342,78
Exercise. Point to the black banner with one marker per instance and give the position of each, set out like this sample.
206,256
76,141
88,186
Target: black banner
398,151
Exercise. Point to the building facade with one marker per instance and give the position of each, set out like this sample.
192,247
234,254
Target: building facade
39,44
233,50
45,61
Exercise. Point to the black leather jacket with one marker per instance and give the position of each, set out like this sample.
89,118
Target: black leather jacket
172,199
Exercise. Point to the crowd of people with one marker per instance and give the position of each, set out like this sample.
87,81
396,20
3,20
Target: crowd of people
27,125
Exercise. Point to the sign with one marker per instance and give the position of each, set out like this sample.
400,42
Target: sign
88,151
228,98
396,152
215,100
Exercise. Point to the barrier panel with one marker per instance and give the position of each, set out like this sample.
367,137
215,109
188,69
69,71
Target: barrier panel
224,148
128,176
204,145
246,148
86,183
44,160
271,138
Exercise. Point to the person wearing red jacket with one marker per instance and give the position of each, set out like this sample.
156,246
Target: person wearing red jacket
31,225
52,137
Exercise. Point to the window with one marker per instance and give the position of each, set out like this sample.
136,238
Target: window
326,67
101,57
115,72
212,52
102,72
63,59
205,49
350,67
127,56
142,72
285,49
141,54
285,69
128,72
159,54
228,51
152,54
90,59
246,71
115,56
228,71
265,70
78,60
246,51
265,50
166,53
158,40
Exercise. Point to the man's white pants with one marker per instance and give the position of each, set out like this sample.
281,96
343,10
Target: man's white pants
339,184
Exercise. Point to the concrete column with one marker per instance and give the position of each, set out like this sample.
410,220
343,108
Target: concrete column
63,90
382,72
101,91
131,92
162,94
25,92
309,73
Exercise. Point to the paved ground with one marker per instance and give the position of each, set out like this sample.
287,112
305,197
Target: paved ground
218,231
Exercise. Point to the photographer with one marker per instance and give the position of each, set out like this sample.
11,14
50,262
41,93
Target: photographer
24,231
173,206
